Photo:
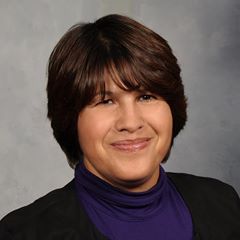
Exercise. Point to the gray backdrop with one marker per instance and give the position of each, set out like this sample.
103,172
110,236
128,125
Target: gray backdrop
204,35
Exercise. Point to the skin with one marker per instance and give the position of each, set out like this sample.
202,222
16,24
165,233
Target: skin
125,137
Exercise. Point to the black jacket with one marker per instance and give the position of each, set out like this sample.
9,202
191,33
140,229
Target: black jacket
214,206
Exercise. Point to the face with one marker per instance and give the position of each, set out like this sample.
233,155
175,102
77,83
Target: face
125,137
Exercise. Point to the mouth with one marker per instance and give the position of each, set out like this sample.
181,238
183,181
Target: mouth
131,145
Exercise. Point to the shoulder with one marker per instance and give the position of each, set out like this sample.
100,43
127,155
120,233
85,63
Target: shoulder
50,200
214,205
198,184
57,215
49,210
203,187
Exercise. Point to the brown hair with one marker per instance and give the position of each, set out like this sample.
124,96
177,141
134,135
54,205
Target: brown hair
116,46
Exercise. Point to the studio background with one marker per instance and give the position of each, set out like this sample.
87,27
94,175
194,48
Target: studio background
204,36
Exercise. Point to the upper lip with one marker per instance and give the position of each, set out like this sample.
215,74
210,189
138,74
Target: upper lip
130,141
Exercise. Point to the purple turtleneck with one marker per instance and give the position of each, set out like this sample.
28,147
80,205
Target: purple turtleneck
159,213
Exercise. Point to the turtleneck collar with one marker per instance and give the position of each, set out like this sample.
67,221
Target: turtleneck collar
130,206
158,213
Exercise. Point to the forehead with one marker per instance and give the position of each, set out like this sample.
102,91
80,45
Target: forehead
112,87
122,73
114,84
112,90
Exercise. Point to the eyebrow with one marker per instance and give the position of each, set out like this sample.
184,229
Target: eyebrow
110,93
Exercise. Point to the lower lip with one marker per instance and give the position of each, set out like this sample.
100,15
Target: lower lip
131,147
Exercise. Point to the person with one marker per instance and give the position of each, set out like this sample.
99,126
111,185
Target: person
116,103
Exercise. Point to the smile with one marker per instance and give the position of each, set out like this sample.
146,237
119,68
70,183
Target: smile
131,145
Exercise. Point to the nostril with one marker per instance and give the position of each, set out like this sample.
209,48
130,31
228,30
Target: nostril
129,126
129,118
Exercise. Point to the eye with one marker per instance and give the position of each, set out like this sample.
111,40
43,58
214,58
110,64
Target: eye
147,97
105,102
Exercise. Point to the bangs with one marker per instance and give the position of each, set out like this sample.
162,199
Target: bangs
120,70
127,72
123,59
102,67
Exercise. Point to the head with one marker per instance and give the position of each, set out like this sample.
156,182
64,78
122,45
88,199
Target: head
112,51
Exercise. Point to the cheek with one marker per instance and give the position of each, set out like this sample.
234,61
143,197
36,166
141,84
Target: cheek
92,129
161,120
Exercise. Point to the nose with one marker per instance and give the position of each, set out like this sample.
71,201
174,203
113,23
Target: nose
129,118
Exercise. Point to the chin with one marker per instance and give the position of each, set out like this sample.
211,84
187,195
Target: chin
135,178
